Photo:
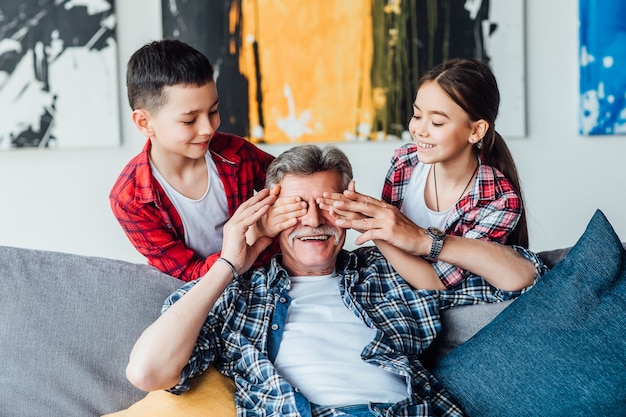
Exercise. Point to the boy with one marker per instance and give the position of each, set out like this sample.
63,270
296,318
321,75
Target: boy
173,199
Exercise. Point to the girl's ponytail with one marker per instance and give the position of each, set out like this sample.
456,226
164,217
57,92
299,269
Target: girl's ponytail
495,152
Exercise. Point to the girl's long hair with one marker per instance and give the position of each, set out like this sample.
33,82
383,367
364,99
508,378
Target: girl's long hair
472,85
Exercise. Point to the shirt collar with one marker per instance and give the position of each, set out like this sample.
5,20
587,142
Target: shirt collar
277,275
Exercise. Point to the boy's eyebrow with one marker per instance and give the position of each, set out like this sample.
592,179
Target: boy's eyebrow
215,103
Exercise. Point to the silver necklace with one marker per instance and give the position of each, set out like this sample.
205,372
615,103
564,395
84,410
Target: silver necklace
462,192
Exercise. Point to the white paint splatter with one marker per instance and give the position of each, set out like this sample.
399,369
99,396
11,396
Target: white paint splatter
23,101
93,6
257,132
473,6
10,45
585,57
600,91
173,7
590,109
294,126
620,128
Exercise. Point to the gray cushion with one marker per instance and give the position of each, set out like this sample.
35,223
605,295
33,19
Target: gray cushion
458,325
67,325
552,257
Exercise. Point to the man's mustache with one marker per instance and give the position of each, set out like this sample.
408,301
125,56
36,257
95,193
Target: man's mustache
314,231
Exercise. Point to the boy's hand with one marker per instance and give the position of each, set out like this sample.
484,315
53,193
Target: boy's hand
282,215
235,248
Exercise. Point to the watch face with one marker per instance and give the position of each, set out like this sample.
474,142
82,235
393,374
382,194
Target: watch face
434,232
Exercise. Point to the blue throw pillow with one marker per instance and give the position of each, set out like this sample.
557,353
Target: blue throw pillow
560,349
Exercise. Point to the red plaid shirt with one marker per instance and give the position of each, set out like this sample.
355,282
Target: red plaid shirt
489,211
153,224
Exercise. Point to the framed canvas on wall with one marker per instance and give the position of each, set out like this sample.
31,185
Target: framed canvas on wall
602,63
58,74
345,70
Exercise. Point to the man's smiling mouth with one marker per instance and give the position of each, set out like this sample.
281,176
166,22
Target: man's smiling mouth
316,234
319,237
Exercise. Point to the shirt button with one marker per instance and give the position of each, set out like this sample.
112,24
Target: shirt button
282,300
274,326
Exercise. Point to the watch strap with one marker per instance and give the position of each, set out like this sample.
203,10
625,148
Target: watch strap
437,237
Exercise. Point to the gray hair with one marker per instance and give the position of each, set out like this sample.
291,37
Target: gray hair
304,160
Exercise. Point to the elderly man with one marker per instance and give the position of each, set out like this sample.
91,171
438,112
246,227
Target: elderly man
320,331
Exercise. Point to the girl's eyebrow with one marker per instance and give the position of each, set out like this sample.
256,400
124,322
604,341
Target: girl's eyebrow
438,112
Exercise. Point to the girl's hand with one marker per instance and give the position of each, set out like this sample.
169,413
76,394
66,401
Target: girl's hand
337,205
375,220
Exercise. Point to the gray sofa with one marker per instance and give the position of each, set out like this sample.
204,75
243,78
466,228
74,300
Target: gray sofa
68,322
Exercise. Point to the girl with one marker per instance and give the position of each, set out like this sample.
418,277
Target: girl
451,193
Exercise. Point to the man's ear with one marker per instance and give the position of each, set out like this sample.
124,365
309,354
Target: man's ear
141,118
479,130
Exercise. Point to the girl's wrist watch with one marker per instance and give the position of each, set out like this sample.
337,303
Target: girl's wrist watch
438,236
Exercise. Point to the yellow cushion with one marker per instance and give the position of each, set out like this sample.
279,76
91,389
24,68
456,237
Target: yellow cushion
211,395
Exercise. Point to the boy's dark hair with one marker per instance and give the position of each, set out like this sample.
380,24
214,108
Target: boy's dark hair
164,63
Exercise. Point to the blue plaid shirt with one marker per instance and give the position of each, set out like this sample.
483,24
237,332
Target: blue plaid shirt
242,334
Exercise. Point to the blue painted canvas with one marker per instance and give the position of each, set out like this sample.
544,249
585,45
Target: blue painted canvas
602,67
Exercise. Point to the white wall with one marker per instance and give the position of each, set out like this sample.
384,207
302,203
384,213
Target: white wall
58,200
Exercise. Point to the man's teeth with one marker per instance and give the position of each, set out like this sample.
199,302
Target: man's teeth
324,237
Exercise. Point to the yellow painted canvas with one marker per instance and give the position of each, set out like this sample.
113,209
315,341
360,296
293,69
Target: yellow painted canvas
295,71
315,65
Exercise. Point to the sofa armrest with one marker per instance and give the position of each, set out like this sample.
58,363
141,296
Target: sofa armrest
67,325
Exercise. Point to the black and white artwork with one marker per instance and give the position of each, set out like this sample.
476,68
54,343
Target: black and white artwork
58,74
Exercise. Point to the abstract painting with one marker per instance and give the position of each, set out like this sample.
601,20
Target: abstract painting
602,63
345,70
58,74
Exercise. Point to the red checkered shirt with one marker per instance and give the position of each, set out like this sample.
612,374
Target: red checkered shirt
153,224
489,211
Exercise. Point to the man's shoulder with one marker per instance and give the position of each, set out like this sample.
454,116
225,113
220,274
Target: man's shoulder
368,260
265,276
368,253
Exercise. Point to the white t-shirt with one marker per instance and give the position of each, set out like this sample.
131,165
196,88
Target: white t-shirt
414,205
317,323
203,219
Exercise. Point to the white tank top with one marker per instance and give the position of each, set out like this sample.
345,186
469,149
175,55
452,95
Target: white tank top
414,205
320,353
203,219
